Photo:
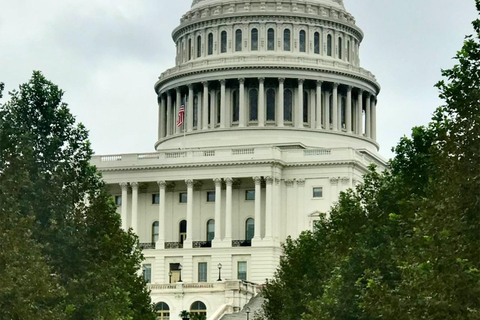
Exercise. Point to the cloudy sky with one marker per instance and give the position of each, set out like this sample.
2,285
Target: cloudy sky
108,54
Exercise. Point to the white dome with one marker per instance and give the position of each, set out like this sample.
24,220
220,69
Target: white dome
333,3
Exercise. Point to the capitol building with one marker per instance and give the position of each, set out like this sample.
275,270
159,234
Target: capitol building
279,118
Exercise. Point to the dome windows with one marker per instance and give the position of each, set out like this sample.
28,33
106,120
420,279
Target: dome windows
238,40
271,104
253,105
316,43
210,43
287,38
303,40
223,42
254,39
270,39
287,105
199,46
329,45
340,48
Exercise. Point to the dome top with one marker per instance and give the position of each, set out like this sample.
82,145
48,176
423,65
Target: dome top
333,3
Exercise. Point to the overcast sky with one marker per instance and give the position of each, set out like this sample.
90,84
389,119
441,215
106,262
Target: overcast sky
108,54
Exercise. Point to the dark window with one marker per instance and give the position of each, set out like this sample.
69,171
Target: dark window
238,40
316,42
198,308
242,270
147,273
250,195
253,97
183,231
254,40
329,45
287,105
235,106
199,46
223,45
287,40
271,39
182,197
189,49
249,229
202,272
209,108
348,50
270,105
340,48
303,40
219,106
210,230
155,229
118,200
155,198
195,111
318,192
210,43
210,196
162,311
305,106
343,110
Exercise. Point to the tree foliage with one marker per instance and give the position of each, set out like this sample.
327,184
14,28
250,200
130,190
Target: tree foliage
64,255
404,244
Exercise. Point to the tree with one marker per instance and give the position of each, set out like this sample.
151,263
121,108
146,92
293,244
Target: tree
49,190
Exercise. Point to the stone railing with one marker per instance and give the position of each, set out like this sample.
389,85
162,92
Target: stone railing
173,245
241,243
146,246
202,244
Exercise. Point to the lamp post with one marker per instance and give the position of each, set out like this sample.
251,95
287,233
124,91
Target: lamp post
247,309
180,268
219,272
170,276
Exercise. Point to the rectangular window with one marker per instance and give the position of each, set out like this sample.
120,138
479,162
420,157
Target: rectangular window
202,272
318,192
242,270
147,273
118,200
210,196
155,198
182,197
250,195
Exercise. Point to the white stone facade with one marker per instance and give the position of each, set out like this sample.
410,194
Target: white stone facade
279,118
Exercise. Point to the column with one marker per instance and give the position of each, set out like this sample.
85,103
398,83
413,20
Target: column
169,113
189,110
189,240
161,117
300,104
123,215
178,104
335,107
374,118
213,110
368,117
349,110
327,111
218,210
205,106
134,186
319,106
223,113
359,113
161,215
199,111
258,208
261,102
302,224
280,116
228,211
241,102
268,209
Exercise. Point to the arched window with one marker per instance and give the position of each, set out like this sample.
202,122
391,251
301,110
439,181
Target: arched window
348,50
287,40
340,48
195,111
155,229
254,40
199,308
235,106
330,112
271,39
189,49
343,110
305,106
303,41
249,229
199,46
287,105
210,229
219,107
270,105
210,43
329,45
162,311
238,40
183,231
316,43
253,102
223,42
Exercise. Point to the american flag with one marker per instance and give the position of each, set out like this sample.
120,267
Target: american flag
181,115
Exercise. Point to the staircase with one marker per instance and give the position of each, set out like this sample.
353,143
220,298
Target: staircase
255,305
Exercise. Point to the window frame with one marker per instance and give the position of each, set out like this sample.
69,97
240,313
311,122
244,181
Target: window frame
147,272
223,41
313,192
302,46
254,39
238,40
202,275
118,200
243,272
209,193
247,192
287,40
270,39
180,197
155,198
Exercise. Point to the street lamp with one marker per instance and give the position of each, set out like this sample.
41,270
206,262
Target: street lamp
180,268
170,276
247,309
219,272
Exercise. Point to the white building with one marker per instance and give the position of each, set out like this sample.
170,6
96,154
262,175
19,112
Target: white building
279,118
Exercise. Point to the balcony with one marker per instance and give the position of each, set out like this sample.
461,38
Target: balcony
241,243
202,244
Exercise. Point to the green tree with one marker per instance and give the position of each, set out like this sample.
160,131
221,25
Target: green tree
46,182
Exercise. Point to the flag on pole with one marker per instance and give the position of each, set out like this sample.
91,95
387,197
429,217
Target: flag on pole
181,115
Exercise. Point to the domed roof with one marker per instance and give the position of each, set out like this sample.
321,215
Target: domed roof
333,3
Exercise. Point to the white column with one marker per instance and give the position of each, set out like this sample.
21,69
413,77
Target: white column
228,211
223,113
169,113
335,107
268,209
261,102
241,101
319,106
161,215
189,110
327,111
189,240
205,106
359,113
368,118
134,186
300,104
218,210
258,208
302,222
123,215
213,111
374,118
161,117
280,105
349,110
178,104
